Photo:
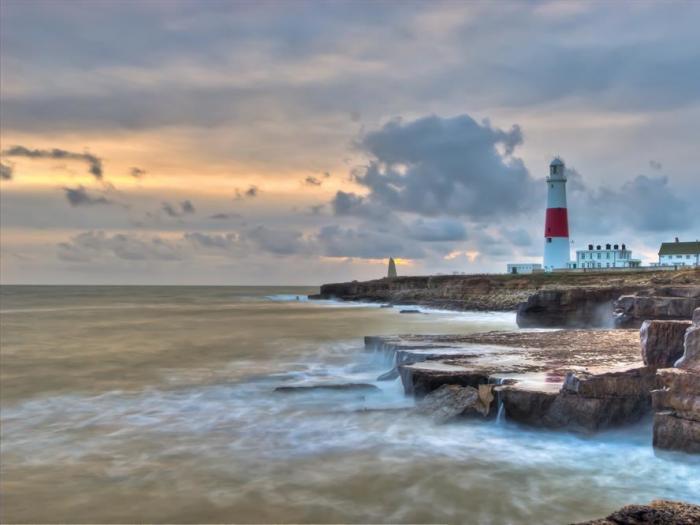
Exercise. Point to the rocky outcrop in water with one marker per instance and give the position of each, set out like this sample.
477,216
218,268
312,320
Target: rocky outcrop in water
662,342
451,401
586,402
658,512
677,402
581,380
664,303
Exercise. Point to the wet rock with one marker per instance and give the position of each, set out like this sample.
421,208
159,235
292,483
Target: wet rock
390,375
690,359
330,386
409,311
451,401
675,303
387,306
580,307
564,410
677,420
672,432
662,342
633,382
422,378
585,402
658,512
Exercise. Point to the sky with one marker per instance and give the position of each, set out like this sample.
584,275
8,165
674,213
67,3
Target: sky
291,142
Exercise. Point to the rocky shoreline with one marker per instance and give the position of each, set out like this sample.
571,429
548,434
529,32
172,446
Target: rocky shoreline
574,300
575,380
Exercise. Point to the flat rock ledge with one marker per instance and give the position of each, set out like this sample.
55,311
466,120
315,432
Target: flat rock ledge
579,380
659,512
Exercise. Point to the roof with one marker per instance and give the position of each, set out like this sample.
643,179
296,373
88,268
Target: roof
679,248
557,162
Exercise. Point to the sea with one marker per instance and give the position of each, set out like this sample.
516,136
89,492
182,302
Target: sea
157,404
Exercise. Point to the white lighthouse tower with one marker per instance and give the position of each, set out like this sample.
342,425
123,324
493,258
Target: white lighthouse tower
556,225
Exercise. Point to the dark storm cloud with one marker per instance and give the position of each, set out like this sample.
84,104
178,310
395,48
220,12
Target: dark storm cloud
94,163
80,196
5,171
137,173
443,166
93,246
183,208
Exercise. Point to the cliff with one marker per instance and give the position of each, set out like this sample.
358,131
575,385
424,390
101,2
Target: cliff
503,292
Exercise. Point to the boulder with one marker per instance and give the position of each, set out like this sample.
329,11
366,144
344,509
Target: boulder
422,378
691,354
677,420
586,402
662,342
451,401
672,432
658,512
630,311
633,382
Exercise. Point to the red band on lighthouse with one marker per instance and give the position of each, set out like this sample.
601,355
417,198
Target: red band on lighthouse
556,223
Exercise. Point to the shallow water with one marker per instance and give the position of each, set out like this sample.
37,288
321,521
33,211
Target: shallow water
128,404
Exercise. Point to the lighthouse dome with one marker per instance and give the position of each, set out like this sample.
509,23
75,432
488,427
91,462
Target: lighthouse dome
557,162
556,170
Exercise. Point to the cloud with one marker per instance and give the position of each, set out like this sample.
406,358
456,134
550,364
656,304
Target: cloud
279,241
94,163
94,246
185,207
655,165
437,230
443,166
79,196
227,242
336,241
137,173
643,204
516,236
312,181
5,171
251,193
316,209
225,216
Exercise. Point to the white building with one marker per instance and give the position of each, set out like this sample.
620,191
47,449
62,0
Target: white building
679,253
524,267
608,256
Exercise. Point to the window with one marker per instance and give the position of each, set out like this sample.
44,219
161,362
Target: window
607,265
549,239
607,255
599,258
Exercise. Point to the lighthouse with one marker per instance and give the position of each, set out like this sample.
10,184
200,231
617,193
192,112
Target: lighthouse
556,224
